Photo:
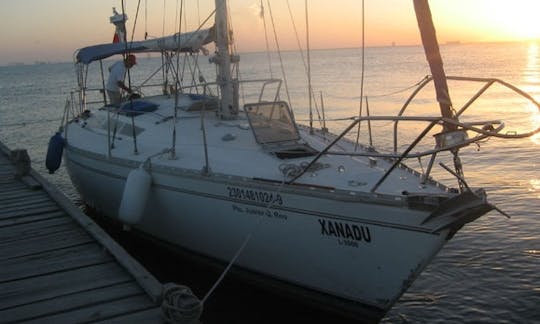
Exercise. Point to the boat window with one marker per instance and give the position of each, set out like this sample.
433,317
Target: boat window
293,152
271,122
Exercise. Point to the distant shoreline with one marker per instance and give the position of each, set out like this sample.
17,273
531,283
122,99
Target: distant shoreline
390,45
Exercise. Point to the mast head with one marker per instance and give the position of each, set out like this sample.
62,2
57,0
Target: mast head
117,18
119,21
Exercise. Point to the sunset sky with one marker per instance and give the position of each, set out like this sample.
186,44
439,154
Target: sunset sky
37,30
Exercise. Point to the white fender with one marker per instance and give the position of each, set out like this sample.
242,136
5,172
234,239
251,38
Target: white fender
135,195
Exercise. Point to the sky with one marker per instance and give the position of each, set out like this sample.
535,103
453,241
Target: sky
51,30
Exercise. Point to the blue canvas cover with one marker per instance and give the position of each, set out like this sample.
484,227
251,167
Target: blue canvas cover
138,107
183,42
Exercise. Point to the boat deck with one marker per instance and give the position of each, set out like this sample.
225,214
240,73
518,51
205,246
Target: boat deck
57,265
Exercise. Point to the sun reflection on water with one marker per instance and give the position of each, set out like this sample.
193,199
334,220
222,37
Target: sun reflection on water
535,186
532,78
536,139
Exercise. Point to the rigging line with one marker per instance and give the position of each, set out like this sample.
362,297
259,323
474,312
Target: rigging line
160,68
179,24
302,56
309,70
361,76
185,16
279,53
135,21
384,94
198,12
134,134
234,48
198,29
125,41
178,49
238,72
176,23
145,19
296,34
192,66
165,69
197,69
262,15
187,63
163,25
177,83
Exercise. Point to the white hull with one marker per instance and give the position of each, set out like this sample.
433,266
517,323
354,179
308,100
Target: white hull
354,251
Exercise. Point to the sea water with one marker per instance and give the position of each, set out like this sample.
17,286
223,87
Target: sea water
489,272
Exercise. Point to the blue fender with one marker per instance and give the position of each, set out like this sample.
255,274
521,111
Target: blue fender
54,152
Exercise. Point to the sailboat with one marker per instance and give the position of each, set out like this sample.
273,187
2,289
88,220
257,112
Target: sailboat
303,210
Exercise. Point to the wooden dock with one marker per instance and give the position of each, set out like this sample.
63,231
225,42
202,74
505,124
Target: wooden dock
57,265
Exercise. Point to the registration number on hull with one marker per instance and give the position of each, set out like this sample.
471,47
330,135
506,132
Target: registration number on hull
255,196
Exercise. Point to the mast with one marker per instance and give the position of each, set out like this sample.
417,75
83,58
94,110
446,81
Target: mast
450,134
227,108
433,55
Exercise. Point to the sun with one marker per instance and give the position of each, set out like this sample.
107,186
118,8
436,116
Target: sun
489,20
517,20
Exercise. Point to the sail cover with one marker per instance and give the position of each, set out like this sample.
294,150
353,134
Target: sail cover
185,42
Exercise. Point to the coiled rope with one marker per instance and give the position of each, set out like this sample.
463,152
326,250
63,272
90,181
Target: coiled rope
180,305
291,170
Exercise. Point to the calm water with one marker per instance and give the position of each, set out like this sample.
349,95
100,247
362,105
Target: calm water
489,272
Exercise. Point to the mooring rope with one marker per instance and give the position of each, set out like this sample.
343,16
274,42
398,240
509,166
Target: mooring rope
245,242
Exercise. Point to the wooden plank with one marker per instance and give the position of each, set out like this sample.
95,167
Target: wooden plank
23,195
153,315
22,232
18,193
57,265
150,284
39,244
30,205
14,185
30,211
31,218
14,208
17,202
8,188
60,304
52,261
102,311
31,290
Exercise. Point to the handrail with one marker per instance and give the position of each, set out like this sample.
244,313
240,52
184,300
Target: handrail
482,133
267,82
489,82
